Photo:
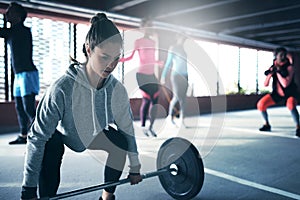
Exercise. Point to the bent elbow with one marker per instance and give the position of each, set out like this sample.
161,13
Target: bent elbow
266,83
284,85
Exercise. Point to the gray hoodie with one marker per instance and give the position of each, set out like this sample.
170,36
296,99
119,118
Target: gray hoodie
80,112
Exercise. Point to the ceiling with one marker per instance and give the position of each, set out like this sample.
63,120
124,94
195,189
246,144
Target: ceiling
262,23
268,21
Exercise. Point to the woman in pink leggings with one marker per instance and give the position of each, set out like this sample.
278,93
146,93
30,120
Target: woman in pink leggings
147,81
284,89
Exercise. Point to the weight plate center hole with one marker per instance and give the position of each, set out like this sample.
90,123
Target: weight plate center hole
173,169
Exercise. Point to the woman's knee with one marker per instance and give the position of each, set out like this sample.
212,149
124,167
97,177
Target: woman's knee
291,103
265,102
117,138
54,150
123,143
117,152
261,106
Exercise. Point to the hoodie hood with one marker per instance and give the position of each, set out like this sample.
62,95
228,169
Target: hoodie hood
77,73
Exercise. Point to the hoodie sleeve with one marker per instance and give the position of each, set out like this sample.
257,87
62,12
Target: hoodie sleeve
124,121
49,112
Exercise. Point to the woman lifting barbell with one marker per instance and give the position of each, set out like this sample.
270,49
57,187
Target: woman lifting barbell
77,110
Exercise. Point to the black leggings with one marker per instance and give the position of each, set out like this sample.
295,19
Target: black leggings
25,107
112,141
148,104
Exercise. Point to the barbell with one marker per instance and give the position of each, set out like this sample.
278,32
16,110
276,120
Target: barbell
179,168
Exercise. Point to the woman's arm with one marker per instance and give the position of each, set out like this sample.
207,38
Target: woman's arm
285,81
136,46
128,58
124,120
267,80
269,73
167,67
49,112
160,63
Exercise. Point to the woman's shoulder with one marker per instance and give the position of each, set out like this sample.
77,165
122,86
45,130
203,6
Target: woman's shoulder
144,40
63,83
117,85
115,82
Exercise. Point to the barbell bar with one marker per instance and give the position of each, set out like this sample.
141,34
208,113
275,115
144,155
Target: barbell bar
108,184
179,168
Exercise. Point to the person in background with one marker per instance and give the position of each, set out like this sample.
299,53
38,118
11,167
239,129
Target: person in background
147,81
284,89
177,63
26,82
79,110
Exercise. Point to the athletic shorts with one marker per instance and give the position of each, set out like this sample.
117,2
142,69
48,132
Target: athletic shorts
277,98
26,83
148,83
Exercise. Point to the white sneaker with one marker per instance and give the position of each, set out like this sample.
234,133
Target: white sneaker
181,121
169,119
145,131
171,123
152,132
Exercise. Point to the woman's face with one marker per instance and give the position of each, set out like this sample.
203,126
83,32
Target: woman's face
104,59
280,57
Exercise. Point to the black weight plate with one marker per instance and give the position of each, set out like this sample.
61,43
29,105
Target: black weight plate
188,182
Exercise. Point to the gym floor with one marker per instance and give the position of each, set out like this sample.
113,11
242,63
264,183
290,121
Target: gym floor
240,162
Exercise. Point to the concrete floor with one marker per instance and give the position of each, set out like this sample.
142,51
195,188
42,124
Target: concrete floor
240,162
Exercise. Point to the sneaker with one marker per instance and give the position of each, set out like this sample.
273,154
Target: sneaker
170,120
184,125
113,198
19,140
181,121
145,131
298,132
265,128
152,133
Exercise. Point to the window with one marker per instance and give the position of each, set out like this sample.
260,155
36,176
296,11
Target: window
209,64
2,64
264,62
229,67
50,49
81,31
205,79
248,70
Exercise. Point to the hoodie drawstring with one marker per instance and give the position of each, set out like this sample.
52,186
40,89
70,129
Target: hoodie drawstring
106,115
94,113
